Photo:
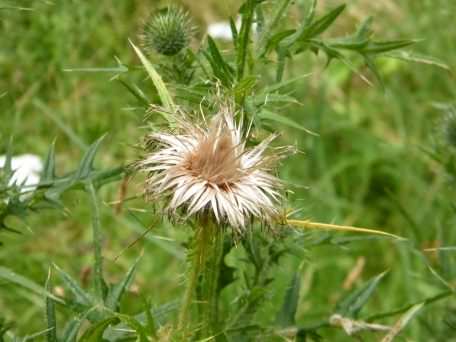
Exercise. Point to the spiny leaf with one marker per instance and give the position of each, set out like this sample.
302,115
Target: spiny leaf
163,92
221,69
79,293
286,316
95,332
320,25
418,58
50,312
353,303
248,10
116,292
380,47
49,166
11,276
134,324
86,164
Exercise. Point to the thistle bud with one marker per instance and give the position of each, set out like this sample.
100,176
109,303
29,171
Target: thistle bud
168,31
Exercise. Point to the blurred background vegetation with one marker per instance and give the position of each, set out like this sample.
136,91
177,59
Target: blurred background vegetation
368,166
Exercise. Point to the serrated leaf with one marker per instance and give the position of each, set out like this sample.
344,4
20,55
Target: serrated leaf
163,93
50,312
80,295
86,164
286,316
116,292
353,303
320,25
95,332
11,276
268,115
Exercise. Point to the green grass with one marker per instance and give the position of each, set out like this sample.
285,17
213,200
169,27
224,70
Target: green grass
366,168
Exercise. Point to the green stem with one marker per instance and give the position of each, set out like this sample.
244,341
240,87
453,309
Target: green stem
194,272
211,275
96,235
204,274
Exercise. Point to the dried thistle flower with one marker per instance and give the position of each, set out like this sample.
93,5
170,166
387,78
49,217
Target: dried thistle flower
208,169
168,31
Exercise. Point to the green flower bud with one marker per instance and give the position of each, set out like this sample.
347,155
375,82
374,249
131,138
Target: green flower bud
168,31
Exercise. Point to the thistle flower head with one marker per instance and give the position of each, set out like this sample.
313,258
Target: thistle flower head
168,31
208,169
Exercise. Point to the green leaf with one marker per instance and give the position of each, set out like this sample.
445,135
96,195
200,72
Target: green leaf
353,303
71,330
95,332
380,47
248,10
33,337
418,58
136,92
50,312
80,295
150,321
286,316
163,92
11,276
116,292
86,164
320,25
268,40
265,114
134,324
221,69
49,166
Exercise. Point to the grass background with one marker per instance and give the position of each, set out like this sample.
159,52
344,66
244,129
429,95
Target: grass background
366,168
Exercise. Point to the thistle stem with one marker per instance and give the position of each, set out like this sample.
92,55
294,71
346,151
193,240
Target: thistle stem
211,275
204,274
194,271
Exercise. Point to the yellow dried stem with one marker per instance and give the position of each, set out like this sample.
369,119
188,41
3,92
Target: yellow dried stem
307,224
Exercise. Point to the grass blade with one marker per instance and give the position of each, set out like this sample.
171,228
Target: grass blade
163,92
50,312
402,322
11,276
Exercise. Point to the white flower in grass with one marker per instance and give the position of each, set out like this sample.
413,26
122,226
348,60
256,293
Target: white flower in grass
208,169
27,169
